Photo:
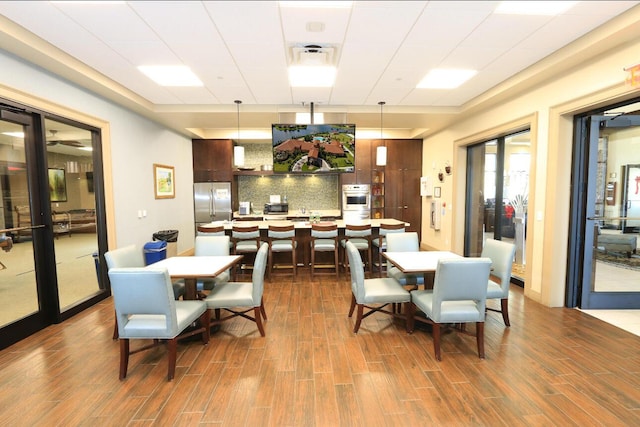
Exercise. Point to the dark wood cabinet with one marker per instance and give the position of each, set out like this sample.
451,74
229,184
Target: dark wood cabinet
212,160
402,182
362,174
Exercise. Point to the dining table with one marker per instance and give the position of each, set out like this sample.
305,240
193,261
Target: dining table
418,262
192,268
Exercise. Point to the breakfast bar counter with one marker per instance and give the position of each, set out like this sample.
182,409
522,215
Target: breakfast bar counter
303,230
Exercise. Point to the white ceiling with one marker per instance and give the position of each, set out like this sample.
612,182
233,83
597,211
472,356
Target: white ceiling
241,50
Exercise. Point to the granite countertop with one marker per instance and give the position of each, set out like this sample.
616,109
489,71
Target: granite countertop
292,214
282,219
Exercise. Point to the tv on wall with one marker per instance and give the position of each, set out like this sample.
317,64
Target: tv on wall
326,148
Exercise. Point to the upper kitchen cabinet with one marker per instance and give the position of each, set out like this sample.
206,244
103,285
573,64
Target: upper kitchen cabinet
362,175
212,160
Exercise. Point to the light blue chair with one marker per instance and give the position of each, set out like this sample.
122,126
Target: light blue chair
501,254
212,246
146,309
403,242
128,257
360,236
380,241
375,293
245,240
324,238
239,298
282,238
459,295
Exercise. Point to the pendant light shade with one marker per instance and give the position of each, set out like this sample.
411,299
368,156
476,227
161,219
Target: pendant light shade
381,156
238,156
381,151
238,151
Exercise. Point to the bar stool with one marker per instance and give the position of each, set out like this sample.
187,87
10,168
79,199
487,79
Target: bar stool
360,236
381,241
282,238
245,240
324,238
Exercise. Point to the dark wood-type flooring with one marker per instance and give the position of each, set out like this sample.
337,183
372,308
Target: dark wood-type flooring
553,367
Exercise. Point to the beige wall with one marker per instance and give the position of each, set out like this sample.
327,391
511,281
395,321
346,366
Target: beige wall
548,109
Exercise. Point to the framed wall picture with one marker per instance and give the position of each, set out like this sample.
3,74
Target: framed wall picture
57,185
164,184
436,192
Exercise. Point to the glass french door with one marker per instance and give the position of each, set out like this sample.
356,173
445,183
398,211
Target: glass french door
497,195
17,229
50,232
604,268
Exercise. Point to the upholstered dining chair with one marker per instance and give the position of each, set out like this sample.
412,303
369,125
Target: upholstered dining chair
206,245
501,254
282,238
360,236
324,238
239,298
380,242
132,256
403,242
458,296
373,294
245,240
146,309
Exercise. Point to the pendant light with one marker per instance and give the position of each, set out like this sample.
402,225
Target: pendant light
381,152
238,151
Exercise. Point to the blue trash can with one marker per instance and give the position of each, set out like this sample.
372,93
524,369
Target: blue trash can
155,251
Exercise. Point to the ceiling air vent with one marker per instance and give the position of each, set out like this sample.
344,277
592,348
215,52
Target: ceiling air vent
312,55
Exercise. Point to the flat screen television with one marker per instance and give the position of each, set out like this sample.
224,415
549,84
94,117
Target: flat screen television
311,148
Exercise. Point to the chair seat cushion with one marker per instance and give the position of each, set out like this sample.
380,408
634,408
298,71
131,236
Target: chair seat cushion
283,245
495,291
155,325
361,244
324,245
384,290
451,311
231,294
247,246
405,279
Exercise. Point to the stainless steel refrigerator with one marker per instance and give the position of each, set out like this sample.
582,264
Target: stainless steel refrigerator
212,202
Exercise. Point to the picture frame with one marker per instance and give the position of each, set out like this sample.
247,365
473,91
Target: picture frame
57,185
164,185
436,192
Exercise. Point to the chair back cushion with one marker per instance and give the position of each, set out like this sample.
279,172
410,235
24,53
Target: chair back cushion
259,267
357,271
501,254
145,306
146,292
403,242
211,245
460,290
124,257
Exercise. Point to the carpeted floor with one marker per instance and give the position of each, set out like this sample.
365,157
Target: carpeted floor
620,260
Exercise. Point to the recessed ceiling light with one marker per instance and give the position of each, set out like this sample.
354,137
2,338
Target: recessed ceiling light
546,8
303,76
445,78
171,75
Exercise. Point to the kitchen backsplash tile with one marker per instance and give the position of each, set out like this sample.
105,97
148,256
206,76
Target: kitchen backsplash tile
309,191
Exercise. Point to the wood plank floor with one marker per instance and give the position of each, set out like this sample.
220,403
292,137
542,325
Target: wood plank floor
552,367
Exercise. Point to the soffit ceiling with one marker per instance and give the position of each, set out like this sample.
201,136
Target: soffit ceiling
241,51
